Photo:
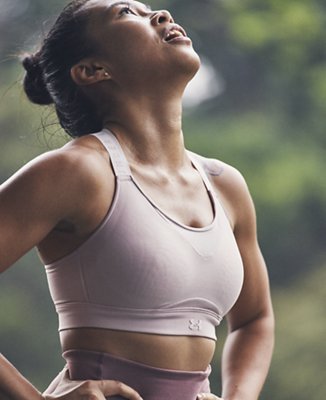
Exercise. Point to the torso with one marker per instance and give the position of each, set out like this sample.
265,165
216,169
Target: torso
182,197
185,353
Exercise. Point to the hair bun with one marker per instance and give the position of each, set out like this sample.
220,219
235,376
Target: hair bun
34,85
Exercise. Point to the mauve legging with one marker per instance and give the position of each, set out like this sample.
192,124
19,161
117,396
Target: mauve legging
151,383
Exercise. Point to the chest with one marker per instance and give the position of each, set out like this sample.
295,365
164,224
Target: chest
160,262
185,201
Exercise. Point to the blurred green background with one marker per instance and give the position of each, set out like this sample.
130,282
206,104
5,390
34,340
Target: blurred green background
258,104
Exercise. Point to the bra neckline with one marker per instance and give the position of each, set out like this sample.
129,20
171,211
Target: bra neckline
163,213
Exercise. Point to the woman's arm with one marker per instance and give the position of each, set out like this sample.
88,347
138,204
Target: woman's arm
13,386
249,345
32,202
58,186
248,349
53,188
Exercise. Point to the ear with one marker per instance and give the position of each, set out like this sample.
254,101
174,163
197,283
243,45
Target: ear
87,72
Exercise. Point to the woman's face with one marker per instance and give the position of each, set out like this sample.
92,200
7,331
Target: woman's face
141,45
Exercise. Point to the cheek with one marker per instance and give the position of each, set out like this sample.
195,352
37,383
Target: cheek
133,40
136,53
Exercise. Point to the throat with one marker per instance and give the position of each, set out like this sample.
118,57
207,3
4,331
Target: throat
149,133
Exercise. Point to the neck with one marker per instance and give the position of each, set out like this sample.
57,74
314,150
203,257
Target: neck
150,129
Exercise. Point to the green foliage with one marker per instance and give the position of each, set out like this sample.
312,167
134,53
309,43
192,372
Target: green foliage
28,334
300,353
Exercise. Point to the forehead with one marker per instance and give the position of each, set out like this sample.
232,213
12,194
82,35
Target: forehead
99,12
111,4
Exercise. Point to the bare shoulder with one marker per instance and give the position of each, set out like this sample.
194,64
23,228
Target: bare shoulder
65,184
70,185
79,158
76,163
232,190
85,160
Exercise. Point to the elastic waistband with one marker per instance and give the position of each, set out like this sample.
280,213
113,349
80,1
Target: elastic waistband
152,383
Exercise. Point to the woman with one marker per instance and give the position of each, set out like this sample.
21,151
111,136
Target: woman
146,245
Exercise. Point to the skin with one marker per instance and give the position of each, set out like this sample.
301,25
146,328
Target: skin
61,199
15,386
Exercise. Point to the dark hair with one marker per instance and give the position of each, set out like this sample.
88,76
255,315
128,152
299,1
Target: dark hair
48,78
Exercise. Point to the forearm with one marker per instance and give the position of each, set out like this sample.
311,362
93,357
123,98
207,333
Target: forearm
13,386
246,359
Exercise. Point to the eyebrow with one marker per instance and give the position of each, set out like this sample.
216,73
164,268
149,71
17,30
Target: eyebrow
127,3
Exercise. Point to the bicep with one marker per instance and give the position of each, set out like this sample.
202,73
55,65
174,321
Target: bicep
30,207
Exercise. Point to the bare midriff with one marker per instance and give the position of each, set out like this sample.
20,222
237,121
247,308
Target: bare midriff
184,353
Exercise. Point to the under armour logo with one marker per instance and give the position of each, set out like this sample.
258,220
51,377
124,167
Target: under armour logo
195,324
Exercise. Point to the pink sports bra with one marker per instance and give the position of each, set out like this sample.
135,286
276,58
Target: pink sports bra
142,271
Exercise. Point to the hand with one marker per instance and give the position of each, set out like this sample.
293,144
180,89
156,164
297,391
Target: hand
208,396
62,388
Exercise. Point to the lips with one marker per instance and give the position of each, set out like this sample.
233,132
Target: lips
174,33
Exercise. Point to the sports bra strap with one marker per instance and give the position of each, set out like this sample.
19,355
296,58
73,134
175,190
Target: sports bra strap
119,162
200,168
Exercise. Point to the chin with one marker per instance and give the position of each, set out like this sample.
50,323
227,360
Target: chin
191,64
196,63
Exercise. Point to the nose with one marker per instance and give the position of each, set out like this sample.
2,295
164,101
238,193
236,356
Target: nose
161,17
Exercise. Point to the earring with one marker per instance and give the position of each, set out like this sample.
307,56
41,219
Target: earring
106,74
